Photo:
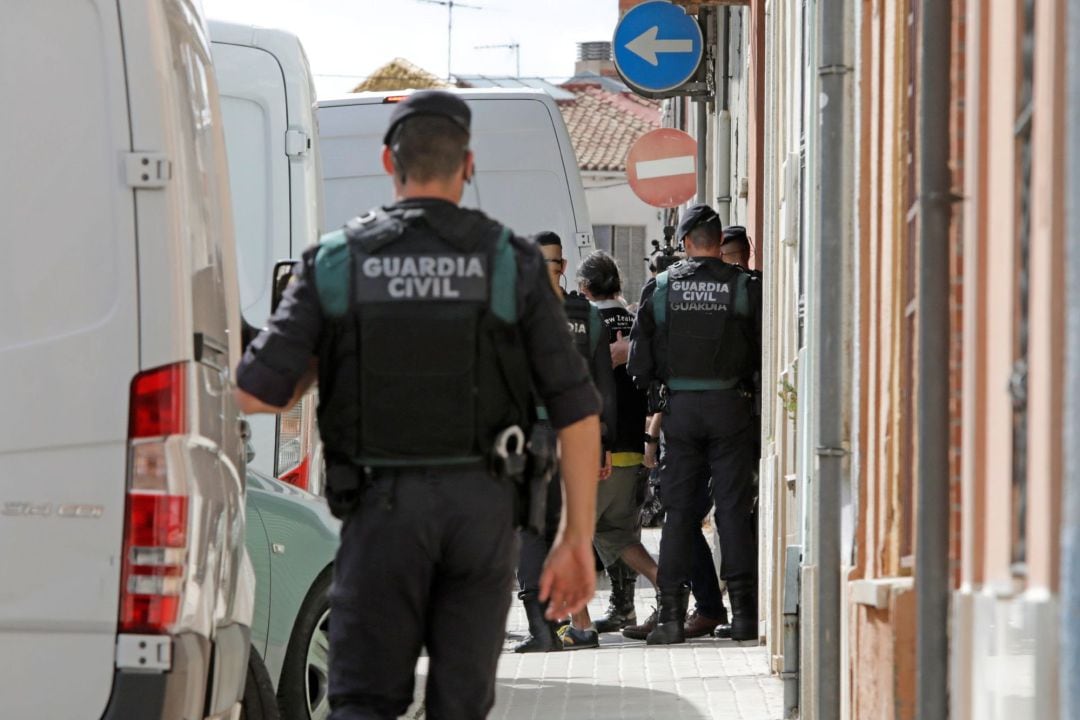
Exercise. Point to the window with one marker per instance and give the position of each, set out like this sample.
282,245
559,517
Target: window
627,244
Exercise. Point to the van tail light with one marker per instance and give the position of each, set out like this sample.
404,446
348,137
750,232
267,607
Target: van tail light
156,520
299,475
290,432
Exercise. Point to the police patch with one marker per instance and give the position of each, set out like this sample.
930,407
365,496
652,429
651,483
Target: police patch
428,277
700,296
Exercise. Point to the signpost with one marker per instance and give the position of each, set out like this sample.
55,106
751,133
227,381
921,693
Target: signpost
657,47
662,167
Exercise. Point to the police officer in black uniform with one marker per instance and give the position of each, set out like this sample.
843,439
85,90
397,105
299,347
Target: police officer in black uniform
587,329
696,345
427,325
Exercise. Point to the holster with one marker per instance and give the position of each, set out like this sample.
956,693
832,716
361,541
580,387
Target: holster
657,397
344,488
540,465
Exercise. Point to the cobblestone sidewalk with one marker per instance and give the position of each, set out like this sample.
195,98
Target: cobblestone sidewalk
703,679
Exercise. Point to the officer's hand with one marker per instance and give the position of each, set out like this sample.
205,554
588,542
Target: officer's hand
620,350
569,578
605,471
651,450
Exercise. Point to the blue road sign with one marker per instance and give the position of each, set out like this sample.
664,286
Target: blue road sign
657,46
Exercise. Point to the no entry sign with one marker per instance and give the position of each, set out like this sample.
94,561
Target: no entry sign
662,167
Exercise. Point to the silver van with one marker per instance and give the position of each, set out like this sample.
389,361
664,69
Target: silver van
526,172
125,588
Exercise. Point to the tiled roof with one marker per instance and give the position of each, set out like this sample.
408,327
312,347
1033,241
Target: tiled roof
603,125
400,74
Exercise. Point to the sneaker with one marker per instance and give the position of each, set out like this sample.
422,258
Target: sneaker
640,632
698,625
574,639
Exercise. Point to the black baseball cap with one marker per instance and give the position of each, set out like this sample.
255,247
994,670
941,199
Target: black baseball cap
429,102
694,217
736,233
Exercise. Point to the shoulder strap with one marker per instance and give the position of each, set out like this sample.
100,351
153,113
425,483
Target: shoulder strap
332,273
597,329
742,294
375,230
659,299
504,280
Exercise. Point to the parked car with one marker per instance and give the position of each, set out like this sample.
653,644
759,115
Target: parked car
127,591
291,539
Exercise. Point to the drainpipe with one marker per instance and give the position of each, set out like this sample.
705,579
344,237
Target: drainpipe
832,335
932,399
702,122
1070,522
723,128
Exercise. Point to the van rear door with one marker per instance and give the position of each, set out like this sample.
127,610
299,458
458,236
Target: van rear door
68,350
253,108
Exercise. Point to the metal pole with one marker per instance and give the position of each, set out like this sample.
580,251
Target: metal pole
449,36
834,78
932,398
1070,521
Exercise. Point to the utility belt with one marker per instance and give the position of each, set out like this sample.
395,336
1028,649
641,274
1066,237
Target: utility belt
529,463
659,392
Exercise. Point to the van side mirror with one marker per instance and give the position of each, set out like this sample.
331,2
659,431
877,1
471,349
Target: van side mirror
283,270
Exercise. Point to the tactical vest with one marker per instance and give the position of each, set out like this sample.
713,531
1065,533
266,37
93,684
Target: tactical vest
586,326
426,363
703,309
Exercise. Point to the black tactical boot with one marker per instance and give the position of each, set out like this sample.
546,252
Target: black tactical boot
670,623
723,630
620,612
743,596
542,636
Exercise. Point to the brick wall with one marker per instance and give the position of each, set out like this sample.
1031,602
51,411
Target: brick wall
956,293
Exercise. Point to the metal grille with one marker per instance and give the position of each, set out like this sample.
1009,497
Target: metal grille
1018,383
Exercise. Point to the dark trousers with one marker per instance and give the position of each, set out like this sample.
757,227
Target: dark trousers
426,560
708,599
535,547
708,434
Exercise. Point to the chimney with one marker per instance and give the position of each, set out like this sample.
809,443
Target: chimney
595,57
625,5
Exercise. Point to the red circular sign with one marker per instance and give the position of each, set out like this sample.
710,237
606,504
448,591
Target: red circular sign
662,167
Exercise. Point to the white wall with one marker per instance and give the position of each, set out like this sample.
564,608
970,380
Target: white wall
612,202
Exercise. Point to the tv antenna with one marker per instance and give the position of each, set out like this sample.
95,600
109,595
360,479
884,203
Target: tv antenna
506,46
450,5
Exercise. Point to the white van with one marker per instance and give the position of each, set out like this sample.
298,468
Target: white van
127,591
526,172
271,138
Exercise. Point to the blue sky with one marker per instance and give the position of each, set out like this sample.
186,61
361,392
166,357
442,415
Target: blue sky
353,37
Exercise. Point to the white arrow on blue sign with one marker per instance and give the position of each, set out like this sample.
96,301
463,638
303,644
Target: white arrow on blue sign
657,46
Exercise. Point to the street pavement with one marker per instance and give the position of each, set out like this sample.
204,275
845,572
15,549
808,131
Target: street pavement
702,679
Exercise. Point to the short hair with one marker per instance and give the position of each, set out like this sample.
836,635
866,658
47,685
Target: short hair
600,274
429,147
736,235
706,235
548,238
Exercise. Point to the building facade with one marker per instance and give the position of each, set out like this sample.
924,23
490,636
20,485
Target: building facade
826,108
